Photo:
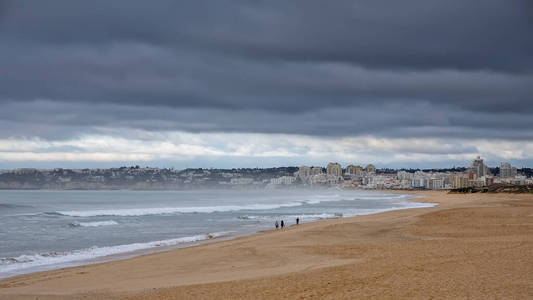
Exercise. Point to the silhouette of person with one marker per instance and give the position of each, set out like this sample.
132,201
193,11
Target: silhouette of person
297,221
277,224
282,224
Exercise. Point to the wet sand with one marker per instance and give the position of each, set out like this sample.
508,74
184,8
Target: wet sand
470,246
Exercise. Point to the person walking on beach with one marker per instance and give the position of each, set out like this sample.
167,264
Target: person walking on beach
297,221
277,224
282,224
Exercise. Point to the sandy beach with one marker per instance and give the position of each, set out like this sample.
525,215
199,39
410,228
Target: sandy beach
469,246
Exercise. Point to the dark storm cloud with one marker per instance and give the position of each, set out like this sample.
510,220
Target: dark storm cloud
60,121
400,68
421,33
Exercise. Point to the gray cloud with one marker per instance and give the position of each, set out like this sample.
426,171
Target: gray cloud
53,120
416,33
410,69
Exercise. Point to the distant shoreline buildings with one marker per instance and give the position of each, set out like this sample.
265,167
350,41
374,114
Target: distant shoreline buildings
353,176
477,175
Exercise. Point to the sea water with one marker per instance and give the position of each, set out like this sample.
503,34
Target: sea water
42,230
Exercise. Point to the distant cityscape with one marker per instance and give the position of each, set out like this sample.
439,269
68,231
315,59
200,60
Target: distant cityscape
477,175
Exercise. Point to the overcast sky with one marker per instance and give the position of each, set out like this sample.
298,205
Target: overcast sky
414,83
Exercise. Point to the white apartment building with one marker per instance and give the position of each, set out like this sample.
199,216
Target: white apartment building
403,175
436,183
507,171
353,170
370,169
324,179
242,180
334,169
284,180
304,172
316,170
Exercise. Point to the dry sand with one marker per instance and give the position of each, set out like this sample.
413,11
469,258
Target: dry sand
470,246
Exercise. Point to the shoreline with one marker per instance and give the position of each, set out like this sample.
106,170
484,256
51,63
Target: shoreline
306,253
121,255
230,235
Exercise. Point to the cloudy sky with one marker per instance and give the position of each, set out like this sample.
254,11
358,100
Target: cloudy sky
414,83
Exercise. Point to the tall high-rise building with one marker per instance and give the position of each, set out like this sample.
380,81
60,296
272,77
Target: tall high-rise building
370,168
316,170
479,168
334,169
353,170
349,170
460,181
358,169
507,171
304,172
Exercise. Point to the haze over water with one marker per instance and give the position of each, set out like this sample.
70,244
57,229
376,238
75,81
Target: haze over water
43,230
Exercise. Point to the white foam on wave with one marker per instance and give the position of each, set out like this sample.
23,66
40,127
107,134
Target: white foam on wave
94,224
316,199
345,213
16,264
125,212
329,198
383,197
371,211
290,217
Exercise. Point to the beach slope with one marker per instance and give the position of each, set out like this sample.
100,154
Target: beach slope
470,246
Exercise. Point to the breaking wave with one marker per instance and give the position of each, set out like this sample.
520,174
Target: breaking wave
126,212
345,213
13,264
302,217
93,224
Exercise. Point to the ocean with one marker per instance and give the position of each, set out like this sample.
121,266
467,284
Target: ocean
43,230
